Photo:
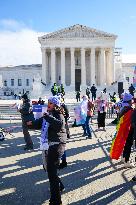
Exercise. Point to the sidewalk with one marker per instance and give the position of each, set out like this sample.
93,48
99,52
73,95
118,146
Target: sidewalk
90,178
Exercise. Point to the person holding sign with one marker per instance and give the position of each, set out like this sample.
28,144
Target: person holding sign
53,131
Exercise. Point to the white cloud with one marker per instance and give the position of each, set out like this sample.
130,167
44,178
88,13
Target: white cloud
129,58
12,25
18,44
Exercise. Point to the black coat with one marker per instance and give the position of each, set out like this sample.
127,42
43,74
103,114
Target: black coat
26,115
56,129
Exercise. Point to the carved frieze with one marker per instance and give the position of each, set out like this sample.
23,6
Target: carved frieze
78,31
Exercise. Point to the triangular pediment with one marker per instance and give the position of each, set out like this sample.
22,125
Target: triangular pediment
78,31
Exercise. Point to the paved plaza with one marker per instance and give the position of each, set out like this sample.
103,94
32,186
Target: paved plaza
90,178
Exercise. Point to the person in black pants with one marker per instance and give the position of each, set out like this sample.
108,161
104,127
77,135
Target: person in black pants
127,102
25,116
78,96
93,91
57,141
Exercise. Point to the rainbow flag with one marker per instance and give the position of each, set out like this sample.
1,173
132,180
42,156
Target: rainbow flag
121,135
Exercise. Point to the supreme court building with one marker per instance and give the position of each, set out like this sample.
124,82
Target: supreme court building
78,56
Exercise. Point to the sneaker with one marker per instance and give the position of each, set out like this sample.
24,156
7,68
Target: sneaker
128,165
54,203
28,147
89,137
85,134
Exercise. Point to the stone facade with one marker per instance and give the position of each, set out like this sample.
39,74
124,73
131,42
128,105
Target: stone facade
128,71
78,56
29,72
19,78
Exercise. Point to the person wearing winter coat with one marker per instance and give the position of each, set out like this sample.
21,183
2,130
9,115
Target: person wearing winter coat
25,116
127,106
56,135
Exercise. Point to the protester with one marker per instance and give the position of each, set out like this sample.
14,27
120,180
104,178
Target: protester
66,116
57,141
125,130
93,91
88,92
78,96
102,109
131,90
25,115
40,101
86,107
127,106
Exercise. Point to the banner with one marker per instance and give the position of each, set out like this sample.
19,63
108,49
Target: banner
121,135
38,110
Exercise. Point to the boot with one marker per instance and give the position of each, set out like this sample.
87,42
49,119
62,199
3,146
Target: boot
28,147
63,164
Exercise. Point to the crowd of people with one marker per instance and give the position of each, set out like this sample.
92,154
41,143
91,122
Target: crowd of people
55,130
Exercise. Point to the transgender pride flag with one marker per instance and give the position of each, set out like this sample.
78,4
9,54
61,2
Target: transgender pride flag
134,78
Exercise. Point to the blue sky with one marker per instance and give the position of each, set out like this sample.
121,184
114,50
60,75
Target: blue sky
36,17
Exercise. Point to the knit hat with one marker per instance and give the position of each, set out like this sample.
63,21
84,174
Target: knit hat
127,97
54,100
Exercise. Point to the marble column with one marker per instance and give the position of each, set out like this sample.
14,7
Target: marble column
110,67
63,66
44,68
83,68
72,67
102,67
92,66
53,72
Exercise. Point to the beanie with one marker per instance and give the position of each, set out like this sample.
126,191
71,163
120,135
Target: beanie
127,97
54,100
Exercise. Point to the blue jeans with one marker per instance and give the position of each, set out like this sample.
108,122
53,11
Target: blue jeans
86,126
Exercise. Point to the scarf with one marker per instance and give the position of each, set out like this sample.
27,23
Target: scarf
44,136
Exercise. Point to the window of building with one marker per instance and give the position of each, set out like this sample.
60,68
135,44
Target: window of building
127,78
27,82
5,82
12,82
19,82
